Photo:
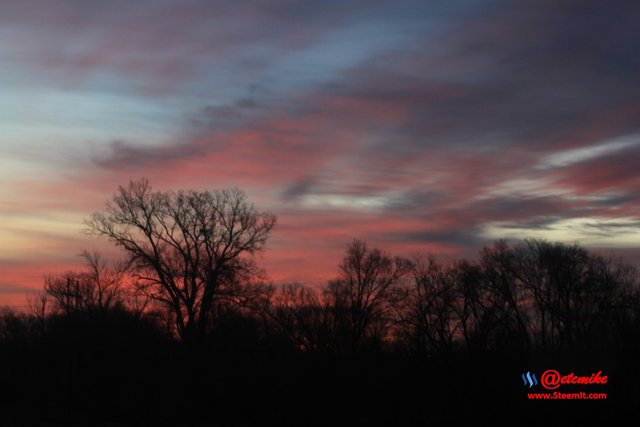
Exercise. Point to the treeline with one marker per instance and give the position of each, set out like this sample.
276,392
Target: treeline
379,336
537,296
185,330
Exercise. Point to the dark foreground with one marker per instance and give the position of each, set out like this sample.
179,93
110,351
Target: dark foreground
120,372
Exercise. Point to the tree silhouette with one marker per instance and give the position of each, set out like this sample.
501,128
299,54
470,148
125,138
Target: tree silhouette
96,290
573,293
299,313
476,310
275,354
507,296
187,247
433,312
362,296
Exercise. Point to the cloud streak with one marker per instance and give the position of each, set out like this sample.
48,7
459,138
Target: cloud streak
421,127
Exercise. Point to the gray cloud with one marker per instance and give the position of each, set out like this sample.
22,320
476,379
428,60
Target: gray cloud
456,103
462,238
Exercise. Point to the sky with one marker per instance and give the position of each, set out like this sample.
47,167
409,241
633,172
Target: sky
418,126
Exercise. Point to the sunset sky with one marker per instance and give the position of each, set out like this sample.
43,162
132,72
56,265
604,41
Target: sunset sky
424,126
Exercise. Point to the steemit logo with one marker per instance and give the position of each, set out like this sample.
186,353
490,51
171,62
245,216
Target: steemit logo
529,379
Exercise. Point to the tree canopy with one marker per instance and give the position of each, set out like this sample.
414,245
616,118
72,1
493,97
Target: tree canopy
186,248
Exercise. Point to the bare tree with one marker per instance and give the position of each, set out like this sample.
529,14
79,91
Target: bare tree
69,293
37,303
507,296
435,306
107,279
187,247
573,293
299,313
479,318
362,296
95,290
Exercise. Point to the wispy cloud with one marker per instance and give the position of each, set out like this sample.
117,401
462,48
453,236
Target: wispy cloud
420,126
579,155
